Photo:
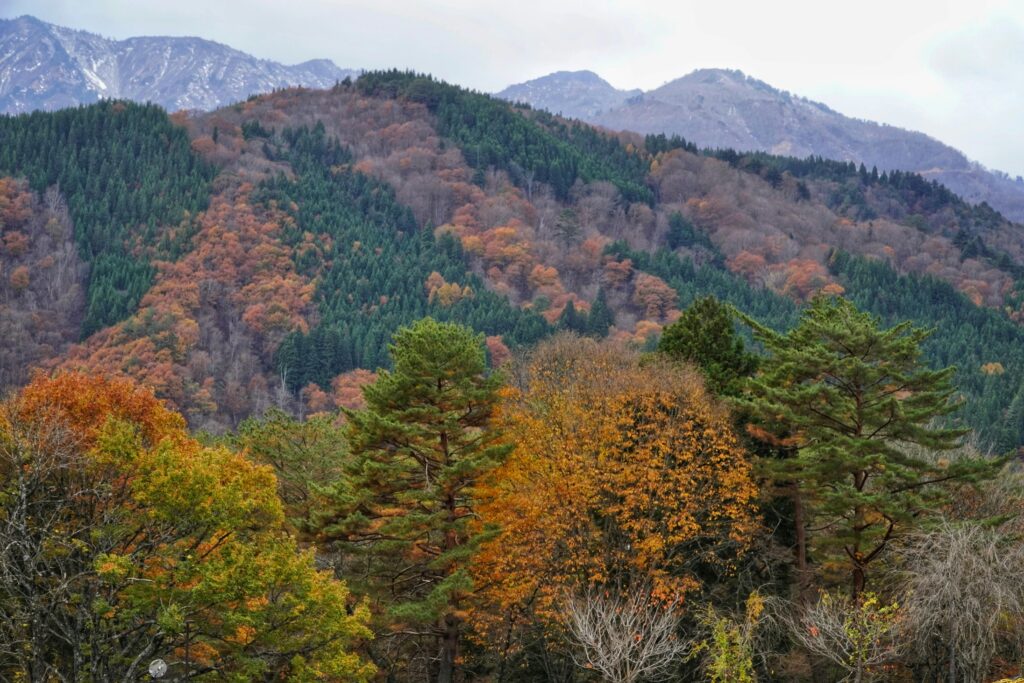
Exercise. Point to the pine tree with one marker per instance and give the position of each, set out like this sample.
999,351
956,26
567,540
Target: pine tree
1012,434
857,408
406,503
706,336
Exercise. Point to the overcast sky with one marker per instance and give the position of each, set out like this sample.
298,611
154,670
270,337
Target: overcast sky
954,70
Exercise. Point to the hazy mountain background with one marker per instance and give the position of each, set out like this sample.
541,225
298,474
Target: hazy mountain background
43,66
721,108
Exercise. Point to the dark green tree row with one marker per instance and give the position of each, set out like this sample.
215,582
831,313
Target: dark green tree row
126,172
530,146
374,275
656,144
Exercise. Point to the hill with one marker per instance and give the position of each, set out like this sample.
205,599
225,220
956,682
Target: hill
718,108
44,66
309,224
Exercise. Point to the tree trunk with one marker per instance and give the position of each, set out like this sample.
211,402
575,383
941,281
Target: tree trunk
859,580
800,524
449,651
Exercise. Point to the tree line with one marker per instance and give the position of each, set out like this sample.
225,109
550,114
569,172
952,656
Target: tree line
584,513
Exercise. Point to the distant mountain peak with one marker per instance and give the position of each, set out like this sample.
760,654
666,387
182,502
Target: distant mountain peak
727,108
577,94
45,66
583,76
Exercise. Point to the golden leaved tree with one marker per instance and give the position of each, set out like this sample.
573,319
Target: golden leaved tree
625,477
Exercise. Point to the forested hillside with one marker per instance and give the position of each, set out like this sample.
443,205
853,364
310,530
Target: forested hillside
131,184
337,216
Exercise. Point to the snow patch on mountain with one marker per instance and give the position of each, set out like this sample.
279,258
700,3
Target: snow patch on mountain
43,66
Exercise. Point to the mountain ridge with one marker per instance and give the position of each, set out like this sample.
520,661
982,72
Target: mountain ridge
334,216
45,66
189,72
722,108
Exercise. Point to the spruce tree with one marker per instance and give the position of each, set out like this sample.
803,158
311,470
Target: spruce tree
571,319
601,317
858,409
1011,436
405,504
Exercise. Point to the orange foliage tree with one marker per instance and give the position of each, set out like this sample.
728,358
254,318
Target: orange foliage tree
653,295
623,475
123,539
239,266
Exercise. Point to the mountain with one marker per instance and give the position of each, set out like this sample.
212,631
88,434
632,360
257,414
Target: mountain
43,66
720,108
576,94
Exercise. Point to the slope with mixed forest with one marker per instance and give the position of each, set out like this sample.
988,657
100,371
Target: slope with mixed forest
309,225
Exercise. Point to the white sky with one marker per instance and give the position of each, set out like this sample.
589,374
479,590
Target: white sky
954,70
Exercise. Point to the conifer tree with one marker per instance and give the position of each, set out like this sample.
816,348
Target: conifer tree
571,319
858,409
601,316
406,500
1012,433
705,335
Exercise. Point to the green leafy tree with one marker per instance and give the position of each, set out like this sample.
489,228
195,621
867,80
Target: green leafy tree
731,647
122,539
706,336
406,501
306,456
857,409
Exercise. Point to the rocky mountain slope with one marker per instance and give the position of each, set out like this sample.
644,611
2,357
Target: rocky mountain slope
576,94
727,109
43,66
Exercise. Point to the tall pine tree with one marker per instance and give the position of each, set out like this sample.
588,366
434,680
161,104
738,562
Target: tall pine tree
858,409
406,501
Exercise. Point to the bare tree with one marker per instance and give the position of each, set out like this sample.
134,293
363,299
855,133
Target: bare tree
30,458
858,636
625,638
965,601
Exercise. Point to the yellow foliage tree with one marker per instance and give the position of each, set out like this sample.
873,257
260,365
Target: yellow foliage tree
623,475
